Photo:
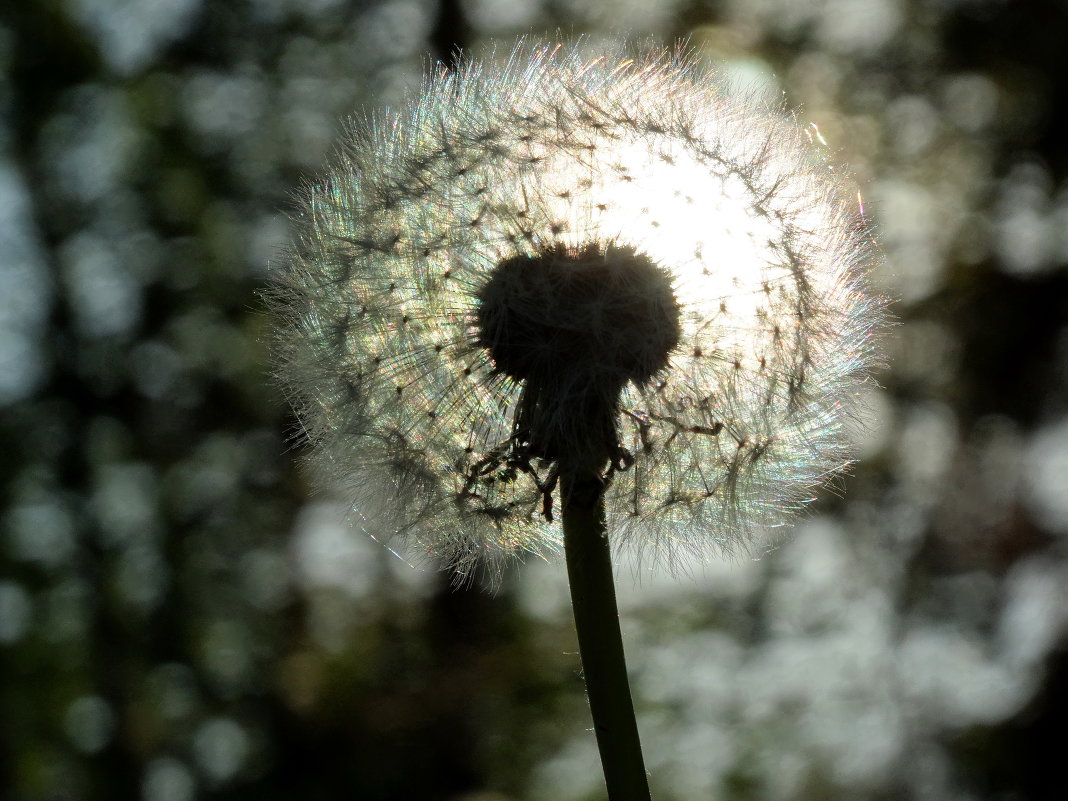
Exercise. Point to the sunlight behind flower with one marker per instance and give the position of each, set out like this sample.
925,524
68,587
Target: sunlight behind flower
548,160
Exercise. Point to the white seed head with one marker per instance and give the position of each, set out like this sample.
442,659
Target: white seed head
558,259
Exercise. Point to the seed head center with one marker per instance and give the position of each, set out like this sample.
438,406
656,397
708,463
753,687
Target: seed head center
574,325
606,312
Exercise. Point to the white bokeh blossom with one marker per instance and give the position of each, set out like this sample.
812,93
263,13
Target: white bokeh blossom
558,255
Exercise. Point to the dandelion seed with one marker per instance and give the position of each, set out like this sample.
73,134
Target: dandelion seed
613,262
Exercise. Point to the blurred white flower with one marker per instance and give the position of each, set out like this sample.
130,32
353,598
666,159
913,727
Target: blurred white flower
558,259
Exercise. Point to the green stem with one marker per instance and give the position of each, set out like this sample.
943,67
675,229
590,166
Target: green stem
593,598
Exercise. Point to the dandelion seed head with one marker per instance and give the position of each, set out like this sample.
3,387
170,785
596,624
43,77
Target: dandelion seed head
557,256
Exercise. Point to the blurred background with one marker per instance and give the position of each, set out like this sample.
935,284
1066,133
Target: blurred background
182,618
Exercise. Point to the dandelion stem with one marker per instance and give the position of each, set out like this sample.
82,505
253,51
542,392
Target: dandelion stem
593,598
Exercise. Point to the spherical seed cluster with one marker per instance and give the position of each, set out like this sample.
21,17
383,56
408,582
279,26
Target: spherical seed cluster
555,255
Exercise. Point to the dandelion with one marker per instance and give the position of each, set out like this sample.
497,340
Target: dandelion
609,291
614,257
